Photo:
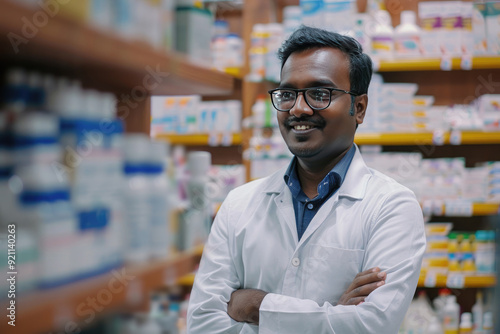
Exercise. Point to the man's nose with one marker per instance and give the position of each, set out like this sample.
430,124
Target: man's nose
301,107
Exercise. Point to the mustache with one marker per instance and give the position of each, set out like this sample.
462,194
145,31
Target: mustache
319,122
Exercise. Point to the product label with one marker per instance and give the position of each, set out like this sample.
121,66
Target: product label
408,45
382,45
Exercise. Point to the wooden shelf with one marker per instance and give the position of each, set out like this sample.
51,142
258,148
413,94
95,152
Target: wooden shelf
104,57
434,64
124,288
440,281
425,138
200,139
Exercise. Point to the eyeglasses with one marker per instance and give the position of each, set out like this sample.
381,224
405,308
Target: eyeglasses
318,98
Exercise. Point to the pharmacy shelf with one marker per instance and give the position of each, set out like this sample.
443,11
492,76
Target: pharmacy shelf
438,281
102,57
435,64
217,139
461,208
75,305
426,138
458,281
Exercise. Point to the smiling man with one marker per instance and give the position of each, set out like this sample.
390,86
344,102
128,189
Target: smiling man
326,245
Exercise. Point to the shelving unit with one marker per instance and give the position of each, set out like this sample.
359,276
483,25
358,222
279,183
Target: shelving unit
124,288
105,61
105,58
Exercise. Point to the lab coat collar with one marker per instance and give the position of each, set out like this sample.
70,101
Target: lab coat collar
354,185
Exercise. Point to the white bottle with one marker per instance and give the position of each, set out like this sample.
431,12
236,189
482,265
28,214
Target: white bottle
197,219
158,200
451,315
361,33
488,323
407,36
435,326
383,36
477,313
466,323
136,199
259,112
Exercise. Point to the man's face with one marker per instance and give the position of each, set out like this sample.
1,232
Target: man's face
331,130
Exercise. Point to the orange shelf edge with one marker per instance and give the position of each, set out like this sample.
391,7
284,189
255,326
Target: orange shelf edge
198,139
469,281
425,138
434,64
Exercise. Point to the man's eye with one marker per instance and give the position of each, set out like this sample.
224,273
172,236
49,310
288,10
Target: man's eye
319,94
286,95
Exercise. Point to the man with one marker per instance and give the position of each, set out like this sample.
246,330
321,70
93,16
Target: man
284,249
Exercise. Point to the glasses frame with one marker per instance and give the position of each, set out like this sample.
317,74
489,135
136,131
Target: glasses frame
303,90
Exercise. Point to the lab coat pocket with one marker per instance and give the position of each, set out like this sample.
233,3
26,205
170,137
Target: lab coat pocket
330,271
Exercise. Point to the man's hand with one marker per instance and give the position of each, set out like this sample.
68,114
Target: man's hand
362,285
244,305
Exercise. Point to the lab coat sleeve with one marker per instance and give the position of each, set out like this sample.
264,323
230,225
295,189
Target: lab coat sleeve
396,244
215,280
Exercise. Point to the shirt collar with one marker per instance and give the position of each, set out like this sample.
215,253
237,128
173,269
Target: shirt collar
331,182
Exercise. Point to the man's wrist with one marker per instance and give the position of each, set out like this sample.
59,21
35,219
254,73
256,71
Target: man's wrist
255,302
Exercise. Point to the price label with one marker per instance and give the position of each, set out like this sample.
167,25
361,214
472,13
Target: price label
446,63
213,139
455,137
458,208
427,207
455,280
438,137
227,139
466,62
437,208
430,280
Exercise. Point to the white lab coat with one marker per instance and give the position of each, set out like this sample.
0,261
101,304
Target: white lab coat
370,221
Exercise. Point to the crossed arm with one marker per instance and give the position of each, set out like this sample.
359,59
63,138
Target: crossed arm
244,304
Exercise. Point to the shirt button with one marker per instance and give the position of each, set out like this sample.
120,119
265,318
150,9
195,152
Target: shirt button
310,206
296,262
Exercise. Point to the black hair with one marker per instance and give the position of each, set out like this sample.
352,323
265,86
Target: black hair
360,64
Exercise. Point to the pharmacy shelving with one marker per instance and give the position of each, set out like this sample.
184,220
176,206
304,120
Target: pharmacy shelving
75,305
463,208
102,57
428,138
436,64
457,280
216,139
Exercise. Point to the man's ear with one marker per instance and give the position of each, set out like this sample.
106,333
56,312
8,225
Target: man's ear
360,104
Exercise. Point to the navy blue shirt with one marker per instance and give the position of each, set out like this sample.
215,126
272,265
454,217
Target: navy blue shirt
304,207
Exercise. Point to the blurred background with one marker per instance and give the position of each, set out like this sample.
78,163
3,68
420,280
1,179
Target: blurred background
125,123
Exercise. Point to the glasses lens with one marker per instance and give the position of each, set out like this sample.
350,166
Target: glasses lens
283,100
318,98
